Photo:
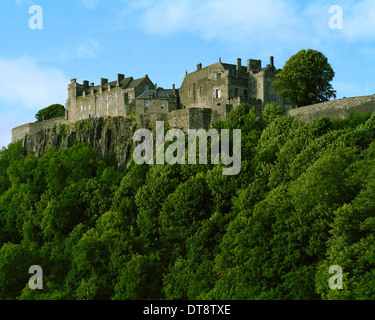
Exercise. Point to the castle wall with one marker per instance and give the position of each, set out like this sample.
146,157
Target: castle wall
185,119
205,88
154,106
20,132
335,109
107,103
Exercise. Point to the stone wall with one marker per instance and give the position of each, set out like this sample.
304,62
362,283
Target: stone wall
335,109
185,119
206,87
20,132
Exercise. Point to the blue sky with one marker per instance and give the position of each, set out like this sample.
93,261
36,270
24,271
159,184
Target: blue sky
90,39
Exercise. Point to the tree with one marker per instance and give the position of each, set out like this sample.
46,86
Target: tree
53,111
305,79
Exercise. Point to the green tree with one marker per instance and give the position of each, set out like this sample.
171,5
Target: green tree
305,79
53,111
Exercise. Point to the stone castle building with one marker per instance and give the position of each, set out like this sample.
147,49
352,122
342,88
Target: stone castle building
205,96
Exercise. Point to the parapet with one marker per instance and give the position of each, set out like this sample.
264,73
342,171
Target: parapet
19,133
334,109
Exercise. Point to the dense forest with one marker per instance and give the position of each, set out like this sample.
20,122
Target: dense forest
303,202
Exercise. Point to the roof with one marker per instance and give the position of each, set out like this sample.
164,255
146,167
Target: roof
159,93
136,82
228,66
124,84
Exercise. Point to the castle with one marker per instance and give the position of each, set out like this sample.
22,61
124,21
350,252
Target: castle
205,96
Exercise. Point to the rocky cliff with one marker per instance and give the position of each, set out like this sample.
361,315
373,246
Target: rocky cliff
109,135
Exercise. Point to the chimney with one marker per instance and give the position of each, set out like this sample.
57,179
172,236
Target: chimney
173,87
120,77
85,84
248,65
156,86
92,84
103,82
199,66
238,64
272,62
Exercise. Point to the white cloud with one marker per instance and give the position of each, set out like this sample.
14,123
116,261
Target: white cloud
359,20
90,3
236,21
253,22
22,2
8,121
24,82
88,49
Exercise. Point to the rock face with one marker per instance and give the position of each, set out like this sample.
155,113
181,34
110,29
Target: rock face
109,135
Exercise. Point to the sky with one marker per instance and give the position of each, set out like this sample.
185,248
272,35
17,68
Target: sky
40,51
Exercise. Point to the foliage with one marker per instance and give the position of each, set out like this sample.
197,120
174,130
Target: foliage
305,79
53,111
302,202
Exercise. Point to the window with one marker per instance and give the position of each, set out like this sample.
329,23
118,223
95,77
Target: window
107,105
100,99
218,93
106,97
218,76
100,106
162,106
83,116
81,108
115,95
146,106
146,88
115,111
273,98
106,113
236,92
89,107
97,115
245,93
189,91
115,103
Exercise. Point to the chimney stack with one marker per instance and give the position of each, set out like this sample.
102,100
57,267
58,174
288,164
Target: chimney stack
103,82
120,77
238,64
199,66
272,62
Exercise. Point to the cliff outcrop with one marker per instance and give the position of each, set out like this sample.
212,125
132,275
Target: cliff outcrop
106,135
